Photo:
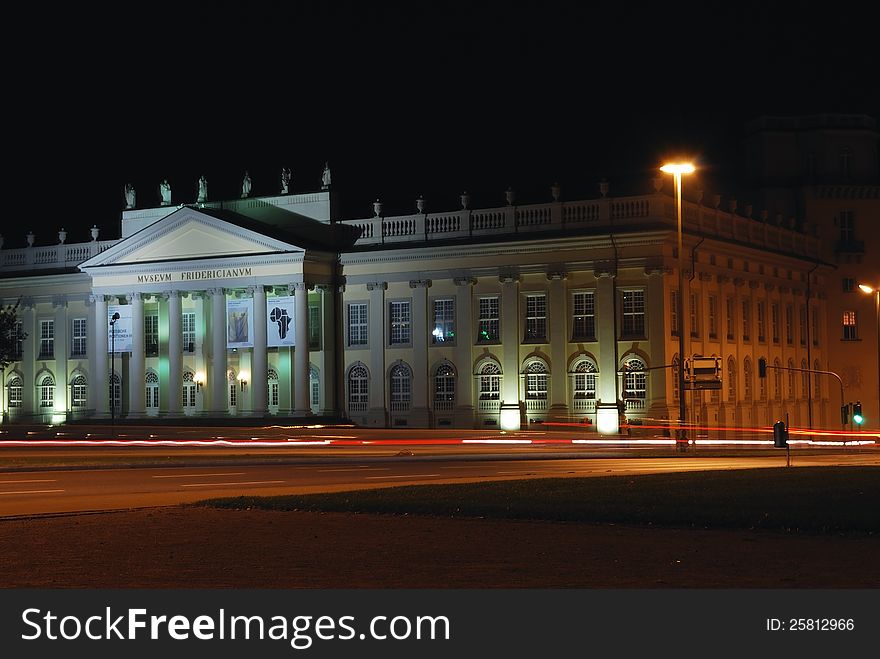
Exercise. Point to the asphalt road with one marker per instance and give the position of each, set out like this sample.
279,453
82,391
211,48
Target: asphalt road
79,490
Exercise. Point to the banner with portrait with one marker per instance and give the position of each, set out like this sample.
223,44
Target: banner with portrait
119,336
279,322
240,322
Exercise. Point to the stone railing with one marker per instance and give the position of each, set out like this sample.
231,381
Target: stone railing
610,213
52,256
583,405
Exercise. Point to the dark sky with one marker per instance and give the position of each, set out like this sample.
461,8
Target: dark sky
401,99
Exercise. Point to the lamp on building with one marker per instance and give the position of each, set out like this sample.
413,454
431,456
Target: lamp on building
677,169
199,380
243,380
875,291
113,319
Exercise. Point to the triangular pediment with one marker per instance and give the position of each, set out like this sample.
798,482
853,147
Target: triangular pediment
189,234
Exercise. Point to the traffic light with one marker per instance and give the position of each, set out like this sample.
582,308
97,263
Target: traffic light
762,367
857,412
780,435
844,414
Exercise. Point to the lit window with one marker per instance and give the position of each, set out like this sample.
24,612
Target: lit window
444,321
536,381
358,388
584,325
400,318
490,382
633,313
357,324
536,317
850,326
488,328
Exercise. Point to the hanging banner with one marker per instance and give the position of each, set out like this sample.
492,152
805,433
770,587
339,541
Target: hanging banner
119,338
279,325
240,322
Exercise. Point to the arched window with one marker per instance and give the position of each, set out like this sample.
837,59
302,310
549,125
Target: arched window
777,380
747,379
731,380
151,381
272,379
817,383
115,393
490,381
79,389
636,379
805,379
15,385
47,391
676,383
233,388
444,387
358,388
791,391
536,381
314,389
585,380
189,390
401,387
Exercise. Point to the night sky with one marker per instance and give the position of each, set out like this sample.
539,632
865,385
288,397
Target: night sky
401,99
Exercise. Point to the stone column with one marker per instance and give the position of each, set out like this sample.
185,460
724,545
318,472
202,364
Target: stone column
558,334
301,350
98,376
607,420
59,303
420,415
175,354
217,377
511,411
328,345
377,413
29,349
136,364
259,364
657,341
464,338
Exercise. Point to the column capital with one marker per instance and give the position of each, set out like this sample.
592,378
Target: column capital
738,281
557,275
325,288
722,279
705,276
377,285
464,281
753,284
653,270
769,287
59,301
27,302
131,297
216,291
420,283
167,295
601,273
508,278
253,290
298,286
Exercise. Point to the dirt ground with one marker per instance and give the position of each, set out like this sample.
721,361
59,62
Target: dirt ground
184,547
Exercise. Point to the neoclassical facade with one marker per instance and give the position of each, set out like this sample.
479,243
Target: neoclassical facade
518,315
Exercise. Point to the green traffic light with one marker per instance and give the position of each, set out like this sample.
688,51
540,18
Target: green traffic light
858,418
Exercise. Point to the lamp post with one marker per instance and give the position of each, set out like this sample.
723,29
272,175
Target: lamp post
113,320
677,169
875,291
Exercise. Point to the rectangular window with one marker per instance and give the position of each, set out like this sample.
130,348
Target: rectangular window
584,324
400,319
189,331
357,324
789,324
774,322
233,395
849,284
847,226
850,326
731,319
443,330
536,317
47,339
815,328
151,335
803,325
314,327
633,314
488,329
78,337
762,321
746,319
673,307
694,315
713,316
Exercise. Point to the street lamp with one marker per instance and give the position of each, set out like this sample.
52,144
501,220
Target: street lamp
113,320
875,291
677,169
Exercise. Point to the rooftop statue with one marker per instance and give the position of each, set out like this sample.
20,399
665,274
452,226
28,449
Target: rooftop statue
246,185
165,192
325,177
129,196
203,190
285,180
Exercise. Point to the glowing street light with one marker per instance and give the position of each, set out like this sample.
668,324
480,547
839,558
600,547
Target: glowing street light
677,169
875,291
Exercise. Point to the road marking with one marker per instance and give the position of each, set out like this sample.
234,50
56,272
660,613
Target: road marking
404,476
238,483
32,492
231,473
358,469
34,480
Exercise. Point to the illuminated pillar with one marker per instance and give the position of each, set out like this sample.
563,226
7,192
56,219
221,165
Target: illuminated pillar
98,376
558,330
510,413
175,355
301,350
607,419
136,364
61,403
657,333
328,349
464,336
419,415
259,382
377,415
217,377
